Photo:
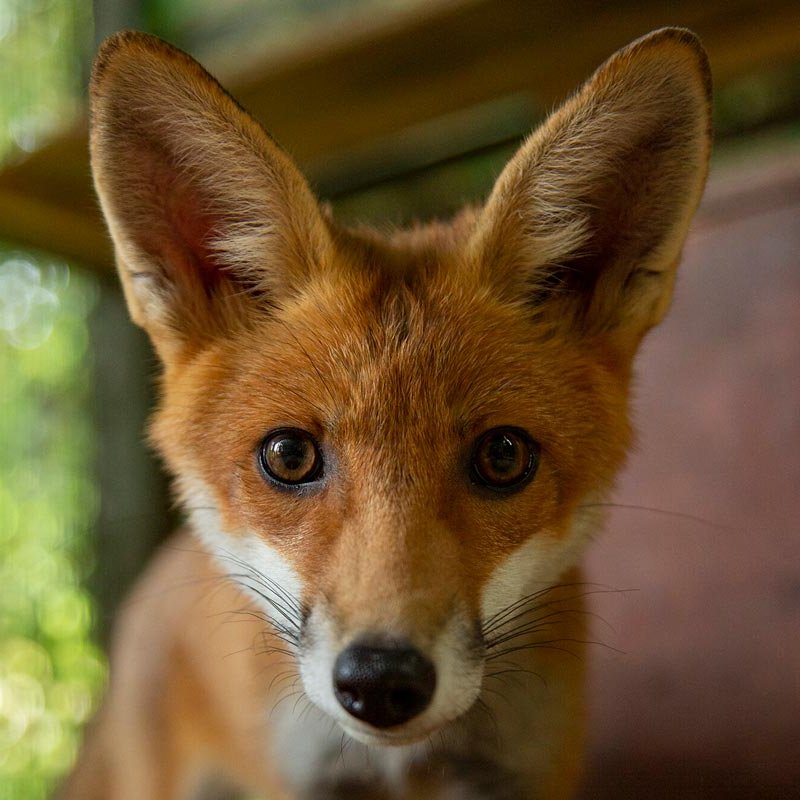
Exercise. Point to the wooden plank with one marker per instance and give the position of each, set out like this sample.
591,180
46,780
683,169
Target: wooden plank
341,93
52,223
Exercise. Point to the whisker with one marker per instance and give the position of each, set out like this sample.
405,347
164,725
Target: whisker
290,619
532,615
523,601
536,624
280,678
664,512
281,699
552,644
268,583
502,615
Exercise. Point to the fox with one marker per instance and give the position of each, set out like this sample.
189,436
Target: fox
391,446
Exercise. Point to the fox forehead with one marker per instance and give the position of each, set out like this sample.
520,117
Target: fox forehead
355,355
375,353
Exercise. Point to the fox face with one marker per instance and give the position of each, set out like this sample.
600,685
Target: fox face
391,467
394,443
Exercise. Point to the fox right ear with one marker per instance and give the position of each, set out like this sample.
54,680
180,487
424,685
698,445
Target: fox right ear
206,212
587,221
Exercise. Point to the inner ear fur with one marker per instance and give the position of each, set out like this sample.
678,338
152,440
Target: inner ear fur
588,220
206,212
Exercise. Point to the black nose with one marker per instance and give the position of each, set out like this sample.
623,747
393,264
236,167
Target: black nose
383,685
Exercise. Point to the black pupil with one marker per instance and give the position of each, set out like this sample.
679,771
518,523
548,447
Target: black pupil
290,457
291,453
504,458
502,454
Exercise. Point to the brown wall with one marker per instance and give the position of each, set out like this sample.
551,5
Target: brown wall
705,700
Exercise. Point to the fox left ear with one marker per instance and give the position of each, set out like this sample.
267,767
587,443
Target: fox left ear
589,218
208,215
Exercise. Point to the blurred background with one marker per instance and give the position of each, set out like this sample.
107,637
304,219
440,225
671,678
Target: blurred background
404,109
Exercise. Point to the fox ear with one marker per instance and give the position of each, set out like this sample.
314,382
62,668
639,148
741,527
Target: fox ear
589,218
206,212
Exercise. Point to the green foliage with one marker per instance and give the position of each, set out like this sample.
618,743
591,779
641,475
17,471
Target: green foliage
42,44
50,672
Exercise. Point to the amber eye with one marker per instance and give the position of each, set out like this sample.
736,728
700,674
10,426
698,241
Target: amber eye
504,458
290,457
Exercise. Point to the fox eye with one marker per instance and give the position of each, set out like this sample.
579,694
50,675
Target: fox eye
290,457
504,458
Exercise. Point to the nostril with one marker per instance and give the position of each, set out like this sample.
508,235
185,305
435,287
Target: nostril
383,686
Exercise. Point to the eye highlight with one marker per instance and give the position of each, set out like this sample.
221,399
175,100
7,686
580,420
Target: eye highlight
290,457
504,458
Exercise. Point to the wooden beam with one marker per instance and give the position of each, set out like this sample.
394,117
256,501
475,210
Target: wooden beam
339,94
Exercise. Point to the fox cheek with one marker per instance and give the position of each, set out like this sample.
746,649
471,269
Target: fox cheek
264,574
537,565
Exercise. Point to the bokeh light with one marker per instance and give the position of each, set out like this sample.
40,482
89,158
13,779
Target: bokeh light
50,672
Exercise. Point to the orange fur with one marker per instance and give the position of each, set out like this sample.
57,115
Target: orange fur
396,353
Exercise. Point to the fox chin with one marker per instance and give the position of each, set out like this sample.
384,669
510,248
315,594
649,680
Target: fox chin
392,449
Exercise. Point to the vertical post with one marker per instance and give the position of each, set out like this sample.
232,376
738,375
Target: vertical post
133,513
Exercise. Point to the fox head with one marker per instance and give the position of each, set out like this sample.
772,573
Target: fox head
391,441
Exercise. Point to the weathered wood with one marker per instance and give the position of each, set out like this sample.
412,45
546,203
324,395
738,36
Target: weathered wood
337,95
